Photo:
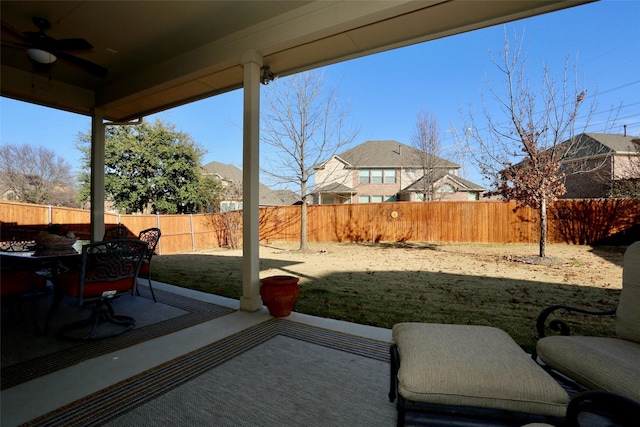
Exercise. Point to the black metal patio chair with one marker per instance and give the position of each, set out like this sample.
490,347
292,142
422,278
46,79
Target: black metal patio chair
108,270
151,236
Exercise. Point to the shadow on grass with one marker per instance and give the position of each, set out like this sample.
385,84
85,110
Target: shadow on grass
220,275
383,298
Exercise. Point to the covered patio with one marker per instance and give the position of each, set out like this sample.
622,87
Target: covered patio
152,56
89,385
238,368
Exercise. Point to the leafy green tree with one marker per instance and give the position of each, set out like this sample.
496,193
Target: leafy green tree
149,168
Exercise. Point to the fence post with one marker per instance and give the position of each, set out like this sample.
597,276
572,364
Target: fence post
50,214
193,237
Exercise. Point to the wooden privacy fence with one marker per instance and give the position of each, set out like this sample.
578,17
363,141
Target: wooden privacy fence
571,221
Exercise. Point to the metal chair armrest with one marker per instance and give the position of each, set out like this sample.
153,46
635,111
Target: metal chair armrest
559,325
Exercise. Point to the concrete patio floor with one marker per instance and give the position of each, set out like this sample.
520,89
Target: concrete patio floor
29,400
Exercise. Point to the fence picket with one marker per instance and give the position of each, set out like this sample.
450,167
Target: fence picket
571,221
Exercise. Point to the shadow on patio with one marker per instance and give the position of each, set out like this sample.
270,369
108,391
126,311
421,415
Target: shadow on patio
235,368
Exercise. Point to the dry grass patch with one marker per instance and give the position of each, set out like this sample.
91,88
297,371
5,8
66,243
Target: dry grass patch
383,284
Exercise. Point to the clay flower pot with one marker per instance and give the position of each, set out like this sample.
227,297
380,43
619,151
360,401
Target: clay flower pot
279,294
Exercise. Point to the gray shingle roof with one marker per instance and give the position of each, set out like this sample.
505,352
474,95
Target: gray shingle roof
465,184
619,144
335,188
387,154
226,171
267,196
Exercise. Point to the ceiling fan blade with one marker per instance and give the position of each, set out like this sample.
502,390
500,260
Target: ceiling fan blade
89,66
72,44
14,32
16,45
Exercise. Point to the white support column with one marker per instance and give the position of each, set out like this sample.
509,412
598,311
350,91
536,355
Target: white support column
97,176
250,300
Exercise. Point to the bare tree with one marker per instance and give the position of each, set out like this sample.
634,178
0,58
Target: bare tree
305,123
426,139
524,151
36,175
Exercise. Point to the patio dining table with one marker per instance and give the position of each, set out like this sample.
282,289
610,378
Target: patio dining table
49,262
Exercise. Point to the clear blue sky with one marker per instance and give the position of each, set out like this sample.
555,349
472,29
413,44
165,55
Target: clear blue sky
386,91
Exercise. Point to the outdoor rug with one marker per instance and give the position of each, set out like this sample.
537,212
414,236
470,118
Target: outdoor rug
278,373
27,354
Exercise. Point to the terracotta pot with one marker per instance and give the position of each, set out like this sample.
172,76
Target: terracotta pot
279,294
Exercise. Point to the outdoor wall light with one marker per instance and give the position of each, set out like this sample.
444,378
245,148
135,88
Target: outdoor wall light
41,56
267,75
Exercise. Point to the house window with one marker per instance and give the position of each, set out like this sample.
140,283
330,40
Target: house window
377,176
390,176
327,201
376,199
390,198
363,199
446,188
420,197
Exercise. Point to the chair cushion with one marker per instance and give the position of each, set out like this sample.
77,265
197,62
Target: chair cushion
627,313
69,284
145,267
20,282
473,366
609,364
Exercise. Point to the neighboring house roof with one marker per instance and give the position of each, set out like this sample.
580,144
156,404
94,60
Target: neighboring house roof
464,184
279,198
604,144
226,172
268,196
620,144
387,154
335,188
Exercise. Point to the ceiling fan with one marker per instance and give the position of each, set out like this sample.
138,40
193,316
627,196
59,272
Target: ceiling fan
43,49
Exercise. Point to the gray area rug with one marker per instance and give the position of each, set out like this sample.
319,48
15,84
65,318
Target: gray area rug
276,374
284,381
27,354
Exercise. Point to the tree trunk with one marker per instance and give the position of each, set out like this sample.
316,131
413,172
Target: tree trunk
304,247
543,228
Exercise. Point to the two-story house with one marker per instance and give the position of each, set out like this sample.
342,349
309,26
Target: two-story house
603,165
382,171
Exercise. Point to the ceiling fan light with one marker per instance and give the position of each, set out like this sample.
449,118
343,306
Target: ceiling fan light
41,56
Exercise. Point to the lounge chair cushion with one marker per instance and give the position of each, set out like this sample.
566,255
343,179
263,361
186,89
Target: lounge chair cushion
627,313
473,366
608,364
